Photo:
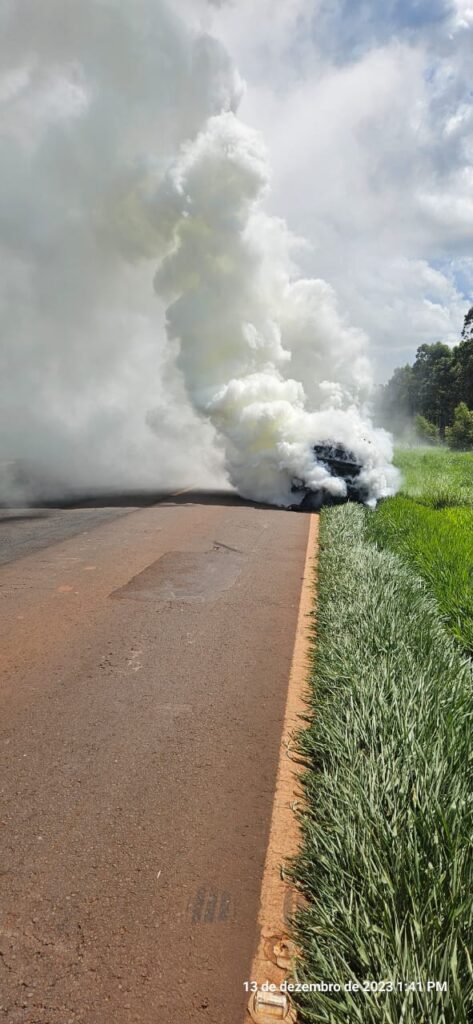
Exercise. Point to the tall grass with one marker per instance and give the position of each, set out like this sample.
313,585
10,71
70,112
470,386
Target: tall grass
436,476
438,544
386,862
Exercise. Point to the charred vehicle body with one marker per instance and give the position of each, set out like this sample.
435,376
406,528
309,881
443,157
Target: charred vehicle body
339,462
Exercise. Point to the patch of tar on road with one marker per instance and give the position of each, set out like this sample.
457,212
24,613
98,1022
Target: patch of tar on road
185,576
210,905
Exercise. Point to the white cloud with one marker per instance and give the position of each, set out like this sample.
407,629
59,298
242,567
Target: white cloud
463,13
371,152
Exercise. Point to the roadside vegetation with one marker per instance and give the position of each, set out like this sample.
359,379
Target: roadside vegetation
430,524
386,863
436,476
438,544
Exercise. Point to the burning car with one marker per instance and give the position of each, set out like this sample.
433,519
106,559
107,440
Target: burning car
339,462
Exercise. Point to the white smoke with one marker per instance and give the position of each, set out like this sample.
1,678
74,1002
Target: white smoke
245,326
96,97
121,149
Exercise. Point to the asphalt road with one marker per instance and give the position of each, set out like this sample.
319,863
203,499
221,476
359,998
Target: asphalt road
145,655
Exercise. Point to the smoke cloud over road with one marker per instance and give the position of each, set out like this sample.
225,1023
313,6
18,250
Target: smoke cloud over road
123,153
245,325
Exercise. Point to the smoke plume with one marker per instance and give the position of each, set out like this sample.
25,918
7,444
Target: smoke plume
96,97
245,326
122,152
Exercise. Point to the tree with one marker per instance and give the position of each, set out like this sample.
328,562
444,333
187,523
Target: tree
440,380
460,434
467,332
432,384
463,355
425,430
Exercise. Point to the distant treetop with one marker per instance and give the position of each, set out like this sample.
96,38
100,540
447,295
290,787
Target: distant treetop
434,396
467,332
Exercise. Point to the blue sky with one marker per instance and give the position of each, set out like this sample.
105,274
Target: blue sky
347,30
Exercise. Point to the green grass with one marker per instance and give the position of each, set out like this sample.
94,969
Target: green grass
436,476
386,863
430,524
438,544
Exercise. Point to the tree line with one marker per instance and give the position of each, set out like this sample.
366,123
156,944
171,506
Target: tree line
434,396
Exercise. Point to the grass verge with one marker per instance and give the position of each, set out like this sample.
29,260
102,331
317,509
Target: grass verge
436,477
386,861
438,544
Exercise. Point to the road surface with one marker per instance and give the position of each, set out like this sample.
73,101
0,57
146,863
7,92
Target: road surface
145,654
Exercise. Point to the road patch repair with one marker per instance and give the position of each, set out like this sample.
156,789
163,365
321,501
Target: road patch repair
275,951
186,576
